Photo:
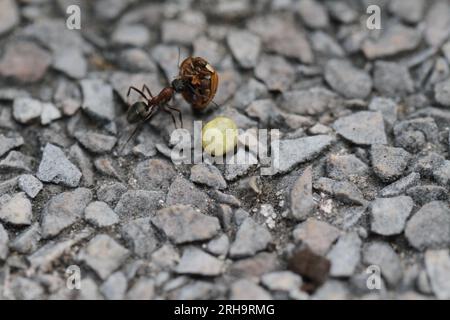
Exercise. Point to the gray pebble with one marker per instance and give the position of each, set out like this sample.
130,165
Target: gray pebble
56,168
219,246
342,190
30,185
342,167
392,79
138,203
347,80
115,287
313,14
181,224
308,102
345,255
411,11
154,174
197,262
302,202
182,191
143,289
245,289
4,243
104,255
382,255
442,92
208,175
250,238
389,214
364,128
9,16
98,99
296,151
16,209
8,143
318,235
275,72
387,107
401,185
429,227
412,135
26,109
388,163
245,47
111,193
16,160
437,264
426,193
140,237
28,240
83,161
100,214
134,35
26,289
95,142
437,20
282,281
63,210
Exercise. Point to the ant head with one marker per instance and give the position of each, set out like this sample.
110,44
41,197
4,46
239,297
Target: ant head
178,85
137,111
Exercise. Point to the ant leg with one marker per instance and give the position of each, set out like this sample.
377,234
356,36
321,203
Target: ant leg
137,90
173,117
144,87
179,114
139,125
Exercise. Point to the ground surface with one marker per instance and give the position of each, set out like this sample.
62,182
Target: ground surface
363,179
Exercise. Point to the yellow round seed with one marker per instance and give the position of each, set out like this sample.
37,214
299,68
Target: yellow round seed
219,136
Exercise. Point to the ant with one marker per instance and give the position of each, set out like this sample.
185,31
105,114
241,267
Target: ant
197,82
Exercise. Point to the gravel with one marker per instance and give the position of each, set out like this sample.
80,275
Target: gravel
429,227
359,170
182,224
56,168
389,215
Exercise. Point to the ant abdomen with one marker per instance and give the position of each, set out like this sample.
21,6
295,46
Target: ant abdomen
138,111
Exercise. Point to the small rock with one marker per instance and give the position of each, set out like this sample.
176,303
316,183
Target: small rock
296,151
56,168
437,263
245,47
387,107
392,79
104,255
16,209
154,174
28,240
442,173
100,214
98,99
389,163
49,113
382,255
8,143
313,14
282,281
389,215
219,246
342,167
412,135
134,35
429,227
437,21
400,185
24,61
442,92
247,290
26,289
71,62
17,161
318,235
9,16
239,164
95,142
181,224
345,255
83,161
138,203
396,39
302,202
364,128
208,175
63,210
250,238
140,237
275,72
410,12
197,262
26,109
4,242
111,193
136,60
182,191
427,193
143,289
347,80
342,190
115,287
308,102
